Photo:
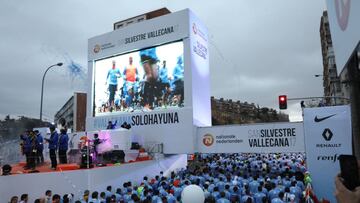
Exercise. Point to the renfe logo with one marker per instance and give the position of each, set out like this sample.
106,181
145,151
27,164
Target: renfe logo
342,8
333,158
208,140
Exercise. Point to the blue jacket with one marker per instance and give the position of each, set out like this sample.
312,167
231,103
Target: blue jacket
27,143
53,141
40,142
63,141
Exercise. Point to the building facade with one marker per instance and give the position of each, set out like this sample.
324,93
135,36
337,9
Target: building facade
74,112
226,111
142,17
331,81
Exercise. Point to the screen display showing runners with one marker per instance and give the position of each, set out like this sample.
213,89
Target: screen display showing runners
144,80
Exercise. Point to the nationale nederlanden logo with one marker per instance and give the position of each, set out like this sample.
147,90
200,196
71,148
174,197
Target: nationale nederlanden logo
342,8
208,140
97,48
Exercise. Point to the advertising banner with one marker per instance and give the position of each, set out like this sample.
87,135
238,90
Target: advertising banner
171,27
327,135
257,138
173,128
200,83
344,26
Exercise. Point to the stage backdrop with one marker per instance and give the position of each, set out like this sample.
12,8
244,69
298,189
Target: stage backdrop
256,138
327,135
180,39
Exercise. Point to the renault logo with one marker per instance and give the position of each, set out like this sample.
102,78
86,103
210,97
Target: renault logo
327,134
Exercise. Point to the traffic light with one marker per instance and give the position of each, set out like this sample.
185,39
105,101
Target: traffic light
282,102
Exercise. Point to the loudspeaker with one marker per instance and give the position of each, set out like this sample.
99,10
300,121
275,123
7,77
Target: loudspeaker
135,145
6,169
114,156
118,156
86,160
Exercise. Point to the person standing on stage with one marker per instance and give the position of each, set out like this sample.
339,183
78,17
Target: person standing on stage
40,148
26,147
97,141
53,145
33,150
112,80
63,146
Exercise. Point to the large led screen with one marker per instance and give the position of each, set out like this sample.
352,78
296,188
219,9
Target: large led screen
144,80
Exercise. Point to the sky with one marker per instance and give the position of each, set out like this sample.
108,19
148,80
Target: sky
258,49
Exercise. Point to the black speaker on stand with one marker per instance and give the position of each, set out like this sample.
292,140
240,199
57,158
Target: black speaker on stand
86,158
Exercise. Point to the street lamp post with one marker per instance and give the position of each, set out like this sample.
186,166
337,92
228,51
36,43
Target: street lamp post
42,87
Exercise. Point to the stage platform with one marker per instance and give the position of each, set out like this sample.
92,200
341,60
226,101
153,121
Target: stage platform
75,180
46,167
131,156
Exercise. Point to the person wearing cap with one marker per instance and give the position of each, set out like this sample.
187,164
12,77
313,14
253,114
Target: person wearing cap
112,79
151,88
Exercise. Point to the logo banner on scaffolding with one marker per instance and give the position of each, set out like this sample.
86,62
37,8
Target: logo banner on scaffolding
254,138
327,135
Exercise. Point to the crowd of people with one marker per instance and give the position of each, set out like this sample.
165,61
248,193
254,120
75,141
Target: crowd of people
223,177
